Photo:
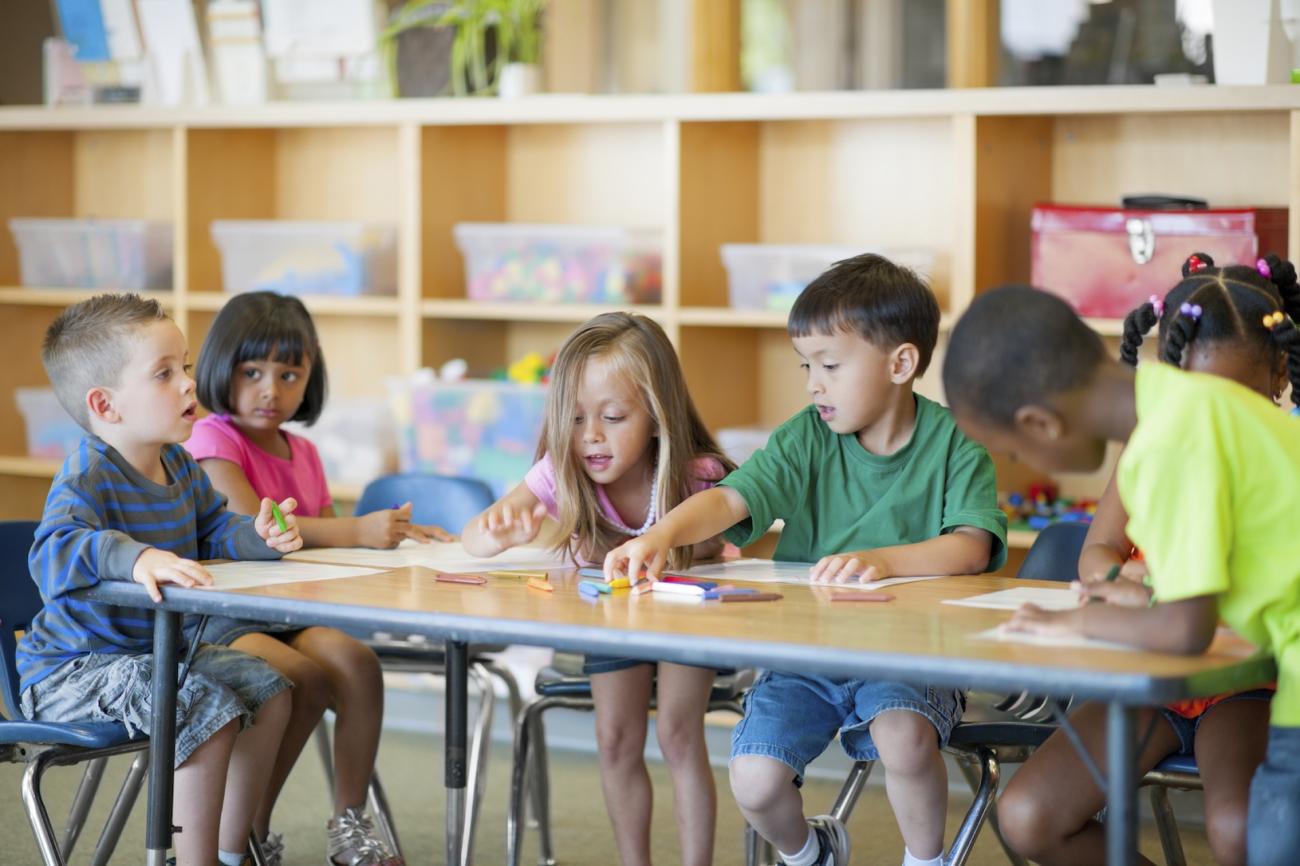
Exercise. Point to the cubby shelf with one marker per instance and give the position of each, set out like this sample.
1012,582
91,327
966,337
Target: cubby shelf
953,171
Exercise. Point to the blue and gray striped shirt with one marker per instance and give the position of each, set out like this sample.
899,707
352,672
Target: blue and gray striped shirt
100,515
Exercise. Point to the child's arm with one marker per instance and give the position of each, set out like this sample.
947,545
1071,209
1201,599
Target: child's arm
514,519
699,518
384,528
1107,544
1186,626
965,550
224,534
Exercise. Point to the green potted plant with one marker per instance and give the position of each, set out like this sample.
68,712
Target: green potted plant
495,44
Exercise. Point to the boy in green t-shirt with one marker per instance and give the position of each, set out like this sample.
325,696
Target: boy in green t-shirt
1208,478
872,481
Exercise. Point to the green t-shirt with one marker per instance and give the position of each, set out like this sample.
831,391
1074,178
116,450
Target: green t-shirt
835,496
1211,482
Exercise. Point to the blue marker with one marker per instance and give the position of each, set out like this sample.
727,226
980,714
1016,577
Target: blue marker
588,589
598,587
592,572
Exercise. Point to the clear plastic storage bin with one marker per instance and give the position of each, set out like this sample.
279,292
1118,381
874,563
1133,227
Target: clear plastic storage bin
475,429
561,263
93,254
307,258
51,432
771,276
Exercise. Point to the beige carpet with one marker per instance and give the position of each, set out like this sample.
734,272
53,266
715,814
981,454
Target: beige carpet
411,767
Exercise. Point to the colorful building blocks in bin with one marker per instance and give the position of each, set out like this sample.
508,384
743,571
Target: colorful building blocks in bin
474,428
307,257
51,432
771,276
561,263
93,254
1042,506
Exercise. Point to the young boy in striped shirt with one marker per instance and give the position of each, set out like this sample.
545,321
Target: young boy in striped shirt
130,504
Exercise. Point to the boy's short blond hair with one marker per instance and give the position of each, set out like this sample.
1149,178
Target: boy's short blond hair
88,344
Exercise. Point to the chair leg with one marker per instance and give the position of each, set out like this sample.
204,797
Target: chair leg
37,815
81,803
121,811
964,841
758,851
974,778
377,800
541,787
1167,826
518,780
479,748
852,789
255,850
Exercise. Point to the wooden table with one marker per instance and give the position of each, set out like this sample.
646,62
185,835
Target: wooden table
913,638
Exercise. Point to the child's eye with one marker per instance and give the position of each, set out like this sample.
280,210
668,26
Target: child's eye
251,373
578,419
163,375
188,368
830,366
290,377
803,366
613,419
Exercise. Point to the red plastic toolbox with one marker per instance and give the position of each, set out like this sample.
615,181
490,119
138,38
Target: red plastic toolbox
1106,261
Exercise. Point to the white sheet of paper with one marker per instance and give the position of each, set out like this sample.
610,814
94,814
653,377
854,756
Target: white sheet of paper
246,574
1012,599
768,571
441,556
1075,641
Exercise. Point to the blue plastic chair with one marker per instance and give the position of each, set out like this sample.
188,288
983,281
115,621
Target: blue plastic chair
451,503
41,745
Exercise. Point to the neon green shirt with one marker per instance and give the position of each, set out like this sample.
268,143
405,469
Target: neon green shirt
835,496
1211,481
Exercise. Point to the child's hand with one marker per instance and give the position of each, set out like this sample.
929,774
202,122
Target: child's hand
1032,619
511,527
285,540
388,527
156,566
644,557
864,566
1122,592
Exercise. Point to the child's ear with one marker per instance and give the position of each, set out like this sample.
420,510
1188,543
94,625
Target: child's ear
904,361
99,403
1039,423
1280,376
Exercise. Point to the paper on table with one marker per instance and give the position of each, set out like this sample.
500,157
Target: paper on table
250,573
997,633
1012,599
768,571
441,556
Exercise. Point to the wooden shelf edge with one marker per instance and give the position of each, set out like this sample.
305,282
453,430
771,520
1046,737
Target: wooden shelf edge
456,308
30,467
323,305
33,297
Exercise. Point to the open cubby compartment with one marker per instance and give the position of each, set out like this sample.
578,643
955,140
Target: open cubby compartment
25,330
865,183
293,173
489,345
93,173
607,174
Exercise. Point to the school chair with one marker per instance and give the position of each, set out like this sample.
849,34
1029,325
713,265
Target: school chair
41,745
449,502
562,685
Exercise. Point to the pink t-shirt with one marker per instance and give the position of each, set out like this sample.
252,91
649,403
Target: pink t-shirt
707,471
301,476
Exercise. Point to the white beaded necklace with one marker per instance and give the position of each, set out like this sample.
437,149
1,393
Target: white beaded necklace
651,514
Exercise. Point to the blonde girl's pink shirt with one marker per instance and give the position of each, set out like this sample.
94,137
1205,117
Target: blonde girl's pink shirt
706,472
302,476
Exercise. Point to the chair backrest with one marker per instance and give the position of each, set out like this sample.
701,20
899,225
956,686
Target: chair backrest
442,500
20,601
1055,553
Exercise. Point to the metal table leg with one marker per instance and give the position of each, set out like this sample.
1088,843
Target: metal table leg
1121,781
162,737
456,754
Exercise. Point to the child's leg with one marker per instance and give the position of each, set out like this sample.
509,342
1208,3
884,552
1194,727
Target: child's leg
1046,811
198,786
1273,837
766,793
683,694
622,699
251,765
916,780
309,698
356,688
1230,744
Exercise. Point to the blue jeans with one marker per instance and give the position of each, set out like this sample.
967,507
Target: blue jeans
792,718
1273,828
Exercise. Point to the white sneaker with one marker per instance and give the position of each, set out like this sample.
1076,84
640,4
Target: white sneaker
833,838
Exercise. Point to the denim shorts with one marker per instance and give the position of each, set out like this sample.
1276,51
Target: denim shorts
792,718
1273,820
1186,728
223,684
225,630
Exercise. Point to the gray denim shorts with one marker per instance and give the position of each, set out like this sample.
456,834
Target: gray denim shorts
223,684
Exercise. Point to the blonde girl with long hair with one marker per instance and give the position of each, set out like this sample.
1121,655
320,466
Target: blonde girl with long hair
622,443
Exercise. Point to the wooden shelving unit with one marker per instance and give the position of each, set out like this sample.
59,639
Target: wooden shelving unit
957,171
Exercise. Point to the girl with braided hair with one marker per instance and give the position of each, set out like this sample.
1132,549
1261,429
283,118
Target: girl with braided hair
1237,323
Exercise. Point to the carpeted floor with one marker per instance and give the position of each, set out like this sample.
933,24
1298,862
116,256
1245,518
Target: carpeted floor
411,767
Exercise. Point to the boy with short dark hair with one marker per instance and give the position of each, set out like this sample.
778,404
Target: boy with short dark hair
130,504
872,481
